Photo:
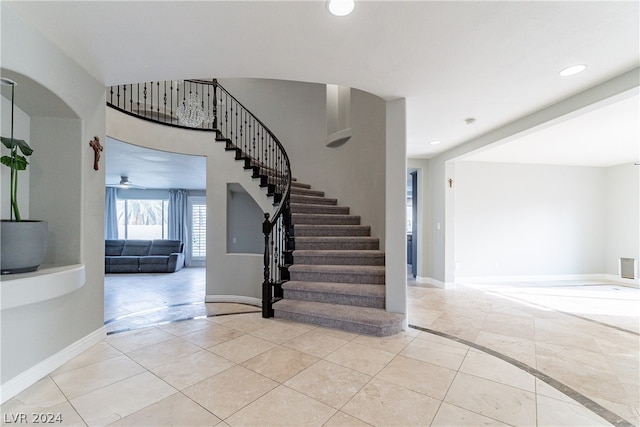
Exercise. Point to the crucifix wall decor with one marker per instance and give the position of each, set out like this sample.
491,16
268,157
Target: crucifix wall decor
97,148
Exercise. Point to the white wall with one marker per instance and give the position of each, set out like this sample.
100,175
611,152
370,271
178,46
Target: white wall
622,216
528,220
67,113
395,191
21,130
59,186
244,216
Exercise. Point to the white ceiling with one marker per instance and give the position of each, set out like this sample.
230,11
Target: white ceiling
494,61
606,136
153,168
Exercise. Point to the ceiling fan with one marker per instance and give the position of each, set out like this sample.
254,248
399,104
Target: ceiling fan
125,183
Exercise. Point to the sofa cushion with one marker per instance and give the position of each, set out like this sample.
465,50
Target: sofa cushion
124,260
165,247
154,268
136,247
113,247
154,259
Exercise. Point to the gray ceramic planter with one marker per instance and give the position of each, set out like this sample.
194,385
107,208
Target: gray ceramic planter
23,245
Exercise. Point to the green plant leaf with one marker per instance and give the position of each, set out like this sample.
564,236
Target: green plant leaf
20,143
19,163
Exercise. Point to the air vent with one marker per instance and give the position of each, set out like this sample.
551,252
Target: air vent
627,268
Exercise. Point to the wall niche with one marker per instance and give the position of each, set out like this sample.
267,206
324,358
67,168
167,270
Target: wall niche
338,115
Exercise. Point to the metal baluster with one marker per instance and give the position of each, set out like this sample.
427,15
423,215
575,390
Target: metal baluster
144,94
266,285
171,100
124,88
243,146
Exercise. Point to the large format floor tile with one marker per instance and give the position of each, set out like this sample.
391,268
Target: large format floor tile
483,355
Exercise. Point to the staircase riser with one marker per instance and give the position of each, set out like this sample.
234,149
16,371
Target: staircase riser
333,298
338,324
323,246
325,220
369,279
338,260
332,231
316,209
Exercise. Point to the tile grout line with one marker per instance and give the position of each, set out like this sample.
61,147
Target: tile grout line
68,400
450,384
593,406
167,322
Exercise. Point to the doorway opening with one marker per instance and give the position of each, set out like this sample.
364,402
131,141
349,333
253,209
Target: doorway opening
154,195
412,223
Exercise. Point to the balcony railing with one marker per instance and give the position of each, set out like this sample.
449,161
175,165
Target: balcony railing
159,101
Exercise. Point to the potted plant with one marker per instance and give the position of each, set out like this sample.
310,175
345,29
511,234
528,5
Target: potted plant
23,243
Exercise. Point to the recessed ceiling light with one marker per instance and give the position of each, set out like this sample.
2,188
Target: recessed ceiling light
574,69
341,7
435,142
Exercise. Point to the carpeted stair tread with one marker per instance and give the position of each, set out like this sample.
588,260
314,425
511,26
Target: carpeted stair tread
308,230
337,243
363,274
344,253
336,293
324,219
313,200
306,191
296,184
344,269
339,257
342,288
362,320
337,239
318,209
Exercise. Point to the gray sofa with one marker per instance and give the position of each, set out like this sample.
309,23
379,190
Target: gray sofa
143,256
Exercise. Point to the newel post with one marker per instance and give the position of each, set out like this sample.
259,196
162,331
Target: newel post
267,311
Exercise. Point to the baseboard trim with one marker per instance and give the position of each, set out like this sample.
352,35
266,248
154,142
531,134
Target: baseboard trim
34,374
634,283
537,278
238,299
436,283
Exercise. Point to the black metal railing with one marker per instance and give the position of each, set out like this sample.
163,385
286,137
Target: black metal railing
159,101
242,132
264,154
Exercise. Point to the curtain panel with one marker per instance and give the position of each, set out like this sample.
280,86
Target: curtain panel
178,220
110,214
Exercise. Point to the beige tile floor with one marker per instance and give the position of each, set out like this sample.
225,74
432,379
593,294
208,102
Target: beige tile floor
240,369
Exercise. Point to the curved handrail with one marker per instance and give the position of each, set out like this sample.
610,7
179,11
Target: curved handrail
287,188
246,134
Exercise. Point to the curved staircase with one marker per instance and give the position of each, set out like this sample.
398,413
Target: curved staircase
337,278
320,265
